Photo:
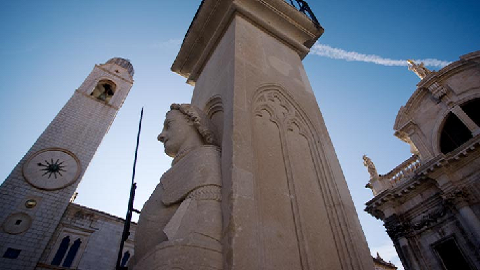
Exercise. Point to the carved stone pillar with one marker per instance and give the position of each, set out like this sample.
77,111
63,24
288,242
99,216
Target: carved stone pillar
408,260
458,199
285,201
457,110
397,230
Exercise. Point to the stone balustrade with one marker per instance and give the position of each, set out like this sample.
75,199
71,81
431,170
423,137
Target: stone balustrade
402,171
396,176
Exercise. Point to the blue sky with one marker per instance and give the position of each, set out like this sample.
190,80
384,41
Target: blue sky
49,47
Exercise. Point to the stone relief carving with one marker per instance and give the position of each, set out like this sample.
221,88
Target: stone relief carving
429,219
457,197
180,225
275,119
284,136
281,112
396,228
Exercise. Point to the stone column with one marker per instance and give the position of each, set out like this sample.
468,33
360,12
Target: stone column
470,219
459,200
409,259
286,204
457,110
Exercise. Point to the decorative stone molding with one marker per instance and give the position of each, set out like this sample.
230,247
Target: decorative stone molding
429,219
278,118
406,176
437,90
397,228
213,106
398,175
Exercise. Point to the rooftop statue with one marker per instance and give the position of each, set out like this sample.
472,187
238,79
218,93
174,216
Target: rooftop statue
419,69
180,225
367,162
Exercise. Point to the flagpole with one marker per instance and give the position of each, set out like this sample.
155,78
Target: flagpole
128,218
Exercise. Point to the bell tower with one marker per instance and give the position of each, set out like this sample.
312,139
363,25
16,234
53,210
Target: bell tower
35,195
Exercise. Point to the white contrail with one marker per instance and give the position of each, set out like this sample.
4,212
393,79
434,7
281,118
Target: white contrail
335,53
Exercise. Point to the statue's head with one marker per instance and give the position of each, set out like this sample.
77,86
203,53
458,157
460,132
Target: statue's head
185,127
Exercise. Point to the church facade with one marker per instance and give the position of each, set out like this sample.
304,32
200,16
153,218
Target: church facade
430,203
86,239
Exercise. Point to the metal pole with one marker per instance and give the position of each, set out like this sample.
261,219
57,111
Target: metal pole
128,218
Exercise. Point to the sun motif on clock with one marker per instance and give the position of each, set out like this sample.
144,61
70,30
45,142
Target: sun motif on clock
51,169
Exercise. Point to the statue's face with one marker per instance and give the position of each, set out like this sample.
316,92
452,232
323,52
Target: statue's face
176,130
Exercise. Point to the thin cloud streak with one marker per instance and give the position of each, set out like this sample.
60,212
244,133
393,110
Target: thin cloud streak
336,53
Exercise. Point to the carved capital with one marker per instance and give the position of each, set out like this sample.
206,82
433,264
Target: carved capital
396,228
457,198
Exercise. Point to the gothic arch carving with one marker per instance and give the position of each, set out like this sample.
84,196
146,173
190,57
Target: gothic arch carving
307,180
214,110
213,106
282,109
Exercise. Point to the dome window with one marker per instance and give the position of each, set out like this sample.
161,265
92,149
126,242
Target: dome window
454,134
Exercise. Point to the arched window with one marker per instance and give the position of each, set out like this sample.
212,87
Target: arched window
71,253
62,249
104,90
472,109
454,134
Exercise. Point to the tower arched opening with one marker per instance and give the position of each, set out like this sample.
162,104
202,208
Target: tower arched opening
104,90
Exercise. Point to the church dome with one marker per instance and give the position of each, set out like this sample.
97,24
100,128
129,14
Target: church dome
125,63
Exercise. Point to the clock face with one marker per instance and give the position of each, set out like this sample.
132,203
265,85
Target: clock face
51,169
